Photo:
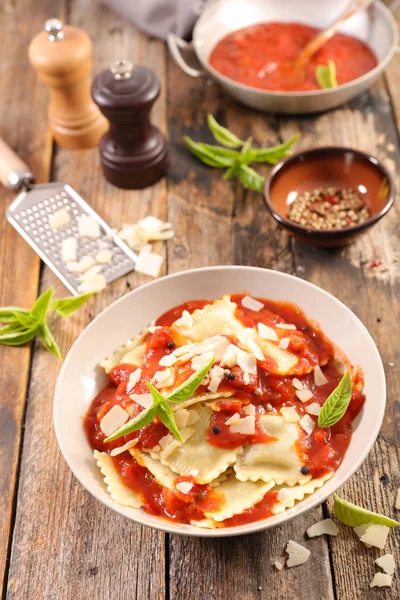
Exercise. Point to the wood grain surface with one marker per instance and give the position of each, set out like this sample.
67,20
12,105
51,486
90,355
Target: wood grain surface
56,541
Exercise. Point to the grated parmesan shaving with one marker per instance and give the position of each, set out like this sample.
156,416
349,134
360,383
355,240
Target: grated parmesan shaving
88,227
59,219
252,304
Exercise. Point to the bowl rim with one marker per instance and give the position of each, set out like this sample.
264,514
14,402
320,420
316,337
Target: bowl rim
381,65
303,507
323,234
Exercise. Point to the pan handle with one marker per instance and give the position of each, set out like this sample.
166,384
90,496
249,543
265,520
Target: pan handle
14,173
175,45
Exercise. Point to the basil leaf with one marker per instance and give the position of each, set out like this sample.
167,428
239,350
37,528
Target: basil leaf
48,340
188,387
222,134
326,75
213,156
337,402
251,179
66,306
41,306
16,335
354,516
8,313
232,171
26,320
273,154
166,417
144,418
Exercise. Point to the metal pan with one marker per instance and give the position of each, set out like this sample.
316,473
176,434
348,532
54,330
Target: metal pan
375,26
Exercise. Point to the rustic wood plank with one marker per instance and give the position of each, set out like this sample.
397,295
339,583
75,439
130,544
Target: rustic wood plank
218,223
19,266
374,296
62,534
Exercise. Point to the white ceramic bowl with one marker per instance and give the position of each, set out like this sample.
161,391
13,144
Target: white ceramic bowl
81,378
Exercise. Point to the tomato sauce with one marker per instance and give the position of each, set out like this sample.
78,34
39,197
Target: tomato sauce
262,56
321,452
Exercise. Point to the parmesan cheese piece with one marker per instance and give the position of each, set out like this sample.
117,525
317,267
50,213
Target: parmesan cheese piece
124,448
88,227
165,441
113,419
297,384
298,555
59,218
252,304
278,565
256,350
285,496
290,414
185,320
247,362
104,257
245,426
193,417
375,535
92,284
381,580
149,264
168,360
288,326
164,378
69,249
307,424
387,563
267,333
134,378
145,400
397,502
319,377
181,418
153,224
217,374
84,264
313,409
284,343
304,395
250,409
169,449
229,358
90,272
246,378
233,419
201,360
327,526
184,487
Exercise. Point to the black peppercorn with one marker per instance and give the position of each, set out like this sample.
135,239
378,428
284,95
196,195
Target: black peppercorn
304,470
216,429
231,376
170,345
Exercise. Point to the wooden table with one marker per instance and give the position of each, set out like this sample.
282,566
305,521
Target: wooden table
56,541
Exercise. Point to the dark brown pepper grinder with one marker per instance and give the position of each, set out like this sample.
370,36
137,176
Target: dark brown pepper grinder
133,152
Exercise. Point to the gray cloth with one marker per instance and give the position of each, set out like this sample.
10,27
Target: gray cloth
160,17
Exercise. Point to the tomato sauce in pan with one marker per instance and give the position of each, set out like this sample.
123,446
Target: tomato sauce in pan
262,56
321,452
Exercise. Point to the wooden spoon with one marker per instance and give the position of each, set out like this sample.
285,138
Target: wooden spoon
293,70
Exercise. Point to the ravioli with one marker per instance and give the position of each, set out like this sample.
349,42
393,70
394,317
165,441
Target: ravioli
162,474
206,397
196,453
119,492
239,496
297,492
276,461
217,318
132,353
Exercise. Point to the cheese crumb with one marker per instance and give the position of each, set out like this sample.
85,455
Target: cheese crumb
164,441
285,496
252,304
246,378
387,563
397,503
185,320
297,384
193,417
381,580
59,218
304,395
93,284
69,249
149,264
233,419
104,256
267,333
217,374
145,400
286,326
88,227
124,448
245,426
313,409
164,378
84,264
229,358
184,487
375,535
319,377
113,419
298,555
247,362
181,418
284,343
307,424
250,409
290,414
134,378
90,272
327,526
278,565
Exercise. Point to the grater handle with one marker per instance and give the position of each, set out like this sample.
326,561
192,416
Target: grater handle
14,173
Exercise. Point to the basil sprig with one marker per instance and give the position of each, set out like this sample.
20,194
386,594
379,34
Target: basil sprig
161,408
337,402
326,75
237,163
22,326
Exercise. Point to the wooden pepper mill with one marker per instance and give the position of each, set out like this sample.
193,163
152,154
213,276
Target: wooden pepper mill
62,57
133,152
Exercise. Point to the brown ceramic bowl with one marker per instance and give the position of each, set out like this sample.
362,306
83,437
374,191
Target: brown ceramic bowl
321,168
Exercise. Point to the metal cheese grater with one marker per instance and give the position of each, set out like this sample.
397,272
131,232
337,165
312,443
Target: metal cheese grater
29,214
